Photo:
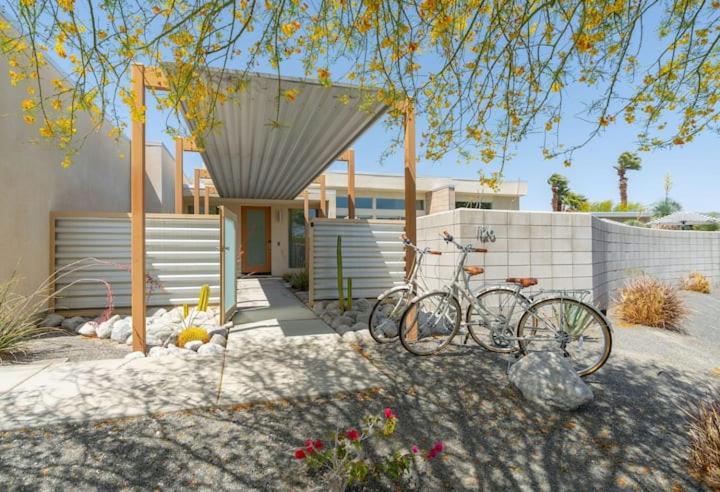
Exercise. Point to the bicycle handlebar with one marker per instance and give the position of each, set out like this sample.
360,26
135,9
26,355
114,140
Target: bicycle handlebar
408,244
468,249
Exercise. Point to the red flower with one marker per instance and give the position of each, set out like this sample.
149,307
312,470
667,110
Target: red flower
299,454
431,454
389,414
318,444
353,435
438,447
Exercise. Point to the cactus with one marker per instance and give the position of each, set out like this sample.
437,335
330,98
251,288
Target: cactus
204,298
338,258
348,304
186,310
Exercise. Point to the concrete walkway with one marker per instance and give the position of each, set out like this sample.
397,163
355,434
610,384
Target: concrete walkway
278,349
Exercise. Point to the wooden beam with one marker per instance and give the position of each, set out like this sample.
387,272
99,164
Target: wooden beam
410,184
178,175
137,211
207,200
323,201
350,154
155,79
196,193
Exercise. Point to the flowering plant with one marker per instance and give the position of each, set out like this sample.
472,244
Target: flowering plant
343,457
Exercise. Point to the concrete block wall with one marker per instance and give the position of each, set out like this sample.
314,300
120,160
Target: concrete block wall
621,252
565,250
555,248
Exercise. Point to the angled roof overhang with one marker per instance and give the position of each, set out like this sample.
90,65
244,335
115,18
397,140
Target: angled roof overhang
268,146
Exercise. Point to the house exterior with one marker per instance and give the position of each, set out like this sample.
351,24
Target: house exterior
378,196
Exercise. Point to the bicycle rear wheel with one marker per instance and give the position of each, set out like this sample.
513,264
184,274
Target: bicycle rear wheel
385,316
496,310
572,328
430,323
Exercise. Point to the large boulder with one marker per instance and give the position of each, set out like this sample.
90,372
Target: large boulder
210,348
121,330
88,329
73,323
53,320
549,379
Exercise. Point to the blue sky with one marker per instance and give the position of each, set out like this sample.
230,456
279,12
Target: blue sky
694,166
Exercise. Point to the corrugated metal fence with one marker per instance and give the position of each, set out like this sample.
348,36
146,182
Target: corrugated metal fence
373,256
182,254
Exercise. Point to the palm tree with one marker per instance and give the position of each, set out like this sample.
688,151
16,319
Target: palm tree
627,161
559,185
575,202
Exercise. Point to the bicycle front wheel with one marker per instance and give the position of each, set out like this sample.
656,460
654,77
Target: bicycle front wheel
385,316
430,323
569,327
492,319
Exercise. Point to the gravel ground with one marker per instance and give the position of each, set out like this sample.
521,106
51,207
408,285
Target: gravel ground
60,344
632,437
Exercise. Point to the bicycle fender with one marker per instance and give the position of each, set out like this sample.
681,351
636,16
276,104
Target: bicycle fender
392,291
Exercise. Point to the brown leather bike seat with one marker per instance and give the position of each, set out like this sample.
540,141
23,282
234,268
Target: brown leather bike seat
474,270
523,281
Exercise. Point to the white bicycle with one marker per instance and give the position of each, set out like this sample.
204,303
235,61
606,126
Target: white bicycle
503,319
390,305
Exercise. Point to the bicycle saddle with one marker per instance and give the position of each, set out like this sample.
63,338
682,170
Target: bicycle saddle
474,270
523,281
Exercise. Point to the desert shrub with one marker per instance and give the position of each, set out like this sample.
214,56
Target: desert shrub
300,280
697,282
287,277
651,302
192,333
635,223
705,443
19,316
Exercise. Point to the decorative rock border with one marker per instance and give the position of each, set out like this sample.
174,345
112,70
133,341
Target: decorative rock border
162,329
344,322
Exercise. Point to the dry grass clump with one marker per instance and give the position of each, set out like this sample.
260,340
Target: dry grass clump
697,282
651,302
191,334
705,444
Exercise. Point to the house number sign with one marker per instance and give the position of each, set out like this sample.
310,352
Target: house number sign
485,234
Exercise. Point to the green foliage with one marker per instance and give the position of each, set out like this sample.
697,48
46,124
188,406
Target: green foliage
19,316
666,207
297,280
559,181
575,202
602,206
339,273
707,227
628,161
635,223
629,207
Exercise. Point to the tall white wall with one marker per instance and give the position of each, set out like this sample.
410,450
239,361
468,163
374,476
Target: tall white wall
621,252
566,250
32,182
555,248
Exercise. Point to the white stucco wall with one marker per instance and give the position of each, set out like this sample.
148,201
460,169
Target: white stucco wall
34,183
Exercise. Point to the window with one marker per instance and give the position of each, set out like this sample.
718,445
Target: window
482,205
296,237
341,201
396,204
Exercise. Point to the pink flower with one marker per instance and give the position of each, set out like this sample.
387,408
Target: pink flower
299,454
439,447
431,454
415,449
353,434
389,414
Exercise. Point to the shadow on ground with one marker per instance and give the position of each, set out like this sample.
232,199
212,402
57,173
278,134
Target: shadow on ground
633,435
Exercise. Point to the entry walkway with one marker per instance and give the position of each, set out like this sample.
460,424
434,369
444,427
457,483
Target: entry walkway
276,350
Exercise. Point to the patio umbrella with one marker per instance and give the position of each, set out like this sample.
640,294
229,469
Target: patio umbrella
684,219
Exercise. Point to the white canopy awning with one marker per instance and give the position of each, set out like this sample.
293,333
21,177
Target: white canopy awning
262,150
684,218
